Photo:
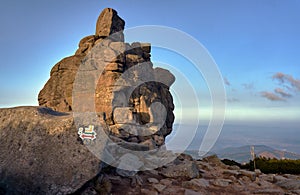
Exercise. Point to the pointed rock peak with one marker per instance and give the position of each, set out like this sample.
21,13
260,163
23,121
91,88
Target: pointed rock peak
109,23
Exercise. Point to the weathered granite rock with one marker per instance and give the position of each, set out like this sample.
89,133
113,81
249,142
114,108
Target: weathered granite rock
159,187
250,174
57,92
148,192
109,23
289,184
214,161
185,169
268,178
222,182
116,79
231,172
166,182
196,184
268,191
152,180
278,178
41,152
191,192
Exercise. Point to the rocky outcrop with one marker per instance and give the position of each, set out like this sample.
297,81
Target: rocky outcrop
57,92
41,153
122,84
206,176
110,23
42,148
132,95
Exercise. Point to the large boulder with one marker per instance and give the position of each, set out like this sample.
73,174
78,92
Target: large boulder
41,153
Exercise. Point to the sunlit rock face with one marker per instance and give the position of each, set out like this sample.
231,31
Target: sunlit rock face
57,92
42,151
133,97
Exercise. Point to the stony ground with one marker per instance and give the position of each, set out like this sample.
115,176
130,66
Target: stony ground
36,140
187,176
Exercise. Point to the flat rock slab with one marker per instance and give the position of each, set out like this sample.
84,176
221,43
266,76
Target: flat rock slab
187,169
41,152
289,184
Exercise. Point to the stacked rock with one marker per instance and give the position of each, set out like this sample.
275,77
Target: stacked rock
116,79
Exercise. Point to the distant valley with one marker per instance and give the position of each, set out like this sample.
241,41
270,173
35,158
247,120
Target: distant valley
234,141
242,154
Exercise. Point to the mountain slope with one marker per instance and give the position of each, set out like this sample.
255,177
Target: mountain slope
242,154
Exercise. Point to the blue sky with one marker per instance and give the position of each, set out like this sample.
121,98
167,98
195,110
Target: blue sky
251,41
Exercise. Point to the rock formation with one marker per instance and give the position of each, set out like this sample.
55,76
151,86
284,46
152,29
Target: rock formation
131,98
41,148
41,153
110,23
57,93
131,94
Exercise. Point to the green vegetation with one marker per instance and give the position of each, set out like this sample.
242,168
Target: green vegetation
277,166
266,165
231,162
